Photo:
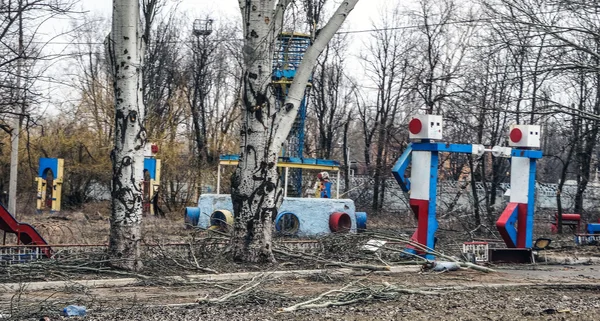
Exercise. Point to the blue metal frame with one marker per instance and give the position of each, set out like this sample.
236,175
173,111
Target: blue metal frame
286,60
400,168
432,223
526,153
443,147
531,202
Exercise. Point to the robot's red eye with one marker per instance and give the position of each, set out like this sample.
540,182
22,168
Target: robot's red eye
415,126
516,135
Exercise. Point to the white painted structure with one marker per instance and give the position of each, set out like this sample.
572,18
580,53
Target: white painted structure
426,127
527,136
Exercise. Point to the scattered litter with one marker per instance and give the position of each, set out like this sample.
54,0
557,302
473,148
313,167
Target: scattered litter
440,266
74,311
374,245
554,311
445,266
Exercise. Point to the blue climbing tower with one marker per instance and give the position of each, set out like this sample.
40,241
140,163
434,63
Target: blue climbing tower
288,55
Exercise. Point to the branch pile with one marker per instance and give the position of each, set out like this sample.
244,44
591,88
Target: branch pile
355,292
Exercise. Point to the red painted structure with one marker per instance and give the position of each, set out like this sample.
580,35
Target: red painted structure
572,220
512,225
26,234
421,210
340,222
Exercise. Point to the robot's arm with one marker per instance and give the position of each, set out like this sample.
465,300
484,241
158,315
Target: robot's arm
400,168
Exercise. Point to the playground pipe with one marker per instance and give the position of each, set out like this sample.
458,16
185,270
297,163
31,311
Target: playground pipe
282,220
340,222
361,221
191,216
221,220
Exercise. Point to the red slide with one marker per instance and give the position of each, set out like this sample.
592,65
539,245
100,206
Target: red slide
26,234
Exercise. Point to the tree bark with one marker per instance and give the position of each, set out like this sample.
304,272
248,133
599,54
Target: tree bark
126,54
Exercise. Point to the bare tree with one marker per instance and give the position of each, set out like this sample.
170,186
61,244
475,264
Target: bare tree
571,29
331,95
126,52
256,189
443,47
388,65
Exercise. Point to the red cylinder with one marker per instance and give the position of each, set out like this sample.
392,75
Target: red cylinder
571,217
340,222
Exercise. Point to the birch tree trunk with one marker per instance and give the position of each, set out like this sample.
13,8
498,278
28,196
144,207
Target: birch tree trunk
256,188
126,55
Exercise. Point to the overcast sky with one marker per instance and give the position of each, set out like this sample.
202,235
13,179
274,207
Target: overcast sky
361,18
364,12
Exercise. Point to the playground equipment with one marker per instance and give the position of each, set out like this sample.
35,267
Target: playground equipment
300,217
151,181
49,179
592,236
422,185
571,220
297,216
26,234
286,60
521,206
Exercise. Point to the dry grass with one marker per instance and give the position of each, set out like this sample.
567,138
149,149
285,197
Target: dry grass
90,225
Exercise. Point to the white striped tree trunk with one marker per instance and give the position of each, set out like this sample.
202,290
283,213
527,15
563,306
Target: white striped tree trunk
256,189
126,55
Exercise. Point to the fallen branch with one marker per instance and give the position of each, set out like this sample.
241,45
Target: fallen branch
309,304
197,267
333,263
242,290
347,296
433,252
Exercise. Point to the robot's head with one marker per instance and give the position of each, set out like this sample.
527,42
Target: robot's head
425,127
524,136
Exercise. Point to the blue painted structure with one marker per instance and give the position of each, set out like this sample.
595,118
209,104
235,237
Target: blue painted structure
425,210
312,213
48,163
361,221
520,211
593,228
150,166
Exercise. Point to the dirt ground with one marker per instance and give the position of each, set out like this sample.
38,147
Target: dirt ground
514,292
523,293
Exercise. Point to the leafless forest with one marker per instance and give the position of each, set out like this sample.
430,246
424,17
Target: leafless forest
482,64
